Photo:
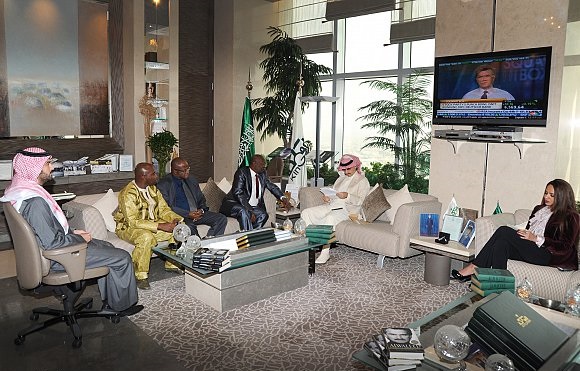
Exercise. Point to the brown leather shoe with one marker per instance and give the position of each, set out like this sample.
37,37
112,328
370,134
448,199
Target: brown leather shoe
143,284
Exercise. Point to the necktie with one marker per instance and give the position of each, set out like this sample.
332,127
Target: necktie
180,197
484,95
257,188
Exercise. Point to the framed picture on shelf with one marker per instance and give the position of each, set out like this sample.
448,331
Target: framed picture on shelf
468,234
429,225
452,225
151,90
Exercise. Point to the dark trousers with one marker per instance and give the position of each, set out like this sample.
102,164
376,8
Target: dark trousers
245,218
507,244
216,221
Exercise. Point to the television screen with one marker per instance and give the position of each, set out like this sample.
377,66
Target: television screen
506,88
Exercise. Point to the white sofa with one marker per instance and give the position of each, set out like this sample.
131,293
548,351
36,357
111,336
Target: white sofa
380,237
547,282
87,217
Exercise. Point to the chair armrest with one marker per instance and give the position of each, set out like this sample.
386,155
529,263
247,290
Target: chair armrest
87,218
406,222
486,226
72,258
310,197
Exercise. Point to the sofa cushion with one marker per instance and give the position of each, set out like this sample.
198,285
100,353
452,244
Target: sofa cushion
106,206
374,204
397,199
213,195
225,185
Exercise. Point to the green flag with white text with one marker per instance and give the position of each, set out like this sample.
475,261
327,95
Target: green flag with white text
246,150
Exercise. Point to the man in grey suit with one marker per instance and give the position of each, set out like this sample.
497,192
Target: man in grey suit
184,197
245,202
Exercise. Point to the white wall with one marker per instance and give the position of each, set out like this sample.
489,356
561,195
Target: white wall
240,29
465,26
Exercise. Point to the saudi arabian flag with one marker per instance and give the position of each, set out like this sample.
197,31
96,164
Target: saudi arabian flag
299,149
247,149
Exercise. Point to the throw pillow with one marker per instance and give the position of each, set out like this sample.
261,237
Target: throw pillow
225,185
213,195
402,196
107,206
374,204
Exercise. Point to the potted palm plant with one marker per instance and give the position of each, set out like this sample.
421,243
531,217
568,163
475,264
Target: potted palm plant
161,145
282,68
403,125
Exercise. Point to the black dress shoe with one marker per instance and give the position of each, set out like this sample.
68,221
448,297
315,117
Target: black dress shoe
458,276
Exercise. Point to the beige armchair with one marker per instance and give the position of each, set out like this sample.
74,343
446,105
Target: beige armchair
33,273
547,282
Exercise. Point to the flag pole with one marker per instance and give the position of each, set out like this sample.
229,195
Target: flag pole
249,85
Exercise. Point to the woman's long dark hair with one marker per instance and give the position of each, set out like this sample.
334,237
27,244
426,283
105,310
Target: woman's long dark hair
564,202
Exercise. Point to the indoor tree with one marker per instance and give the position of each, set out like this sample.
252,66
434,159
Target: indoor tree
402,126
282,67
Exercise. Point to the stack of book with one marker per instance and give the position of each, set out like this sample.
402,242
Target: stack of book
507,325
396,348
256,238
211,260
487,281
320,233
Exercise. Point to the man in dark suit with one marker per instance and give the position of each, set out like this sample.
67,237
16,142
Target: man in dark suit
184,197
245,201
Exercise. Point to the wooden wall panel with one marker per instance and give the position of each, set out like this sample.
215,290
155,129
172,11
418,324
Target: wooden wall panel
195,85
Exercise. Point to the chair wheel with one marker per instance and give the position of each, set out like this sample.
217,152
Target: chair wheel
34,317
115,319
19,340
77,343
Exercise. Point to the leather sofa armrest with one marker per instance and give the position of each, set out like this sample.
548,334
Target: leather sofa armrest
486,226
88,218
72,258
406,222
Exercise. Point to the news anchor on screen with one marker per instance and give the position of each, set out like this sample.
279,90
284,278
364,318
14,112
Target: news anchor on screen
485,76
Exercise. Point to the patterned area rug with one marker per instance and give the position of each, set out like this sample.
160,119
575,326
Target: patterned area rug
317,327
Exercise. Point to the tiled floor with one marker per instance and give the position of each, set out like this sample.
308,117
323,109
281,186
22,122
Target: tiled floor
106,346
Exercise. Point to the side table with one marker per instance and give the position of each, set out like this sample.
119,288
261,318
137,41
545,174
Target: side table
438,258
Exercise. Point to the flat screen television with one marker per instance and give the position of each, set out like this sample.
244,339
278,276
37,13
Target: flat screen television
493,90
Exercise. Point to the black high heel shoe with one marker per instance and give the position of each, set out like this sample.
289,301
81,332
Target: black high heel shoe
458,276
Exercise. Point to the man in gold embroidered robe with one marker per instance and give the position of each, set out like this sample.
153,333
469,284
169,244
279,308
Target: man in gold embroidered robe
144,219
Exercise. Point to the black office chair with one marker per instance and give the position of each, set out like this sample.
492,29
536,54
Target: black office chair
32,271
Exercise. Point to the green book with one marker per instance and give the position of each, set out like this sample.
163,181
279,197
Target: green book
524,330
320,234
486,285
492,274
321,240
319,227
485,292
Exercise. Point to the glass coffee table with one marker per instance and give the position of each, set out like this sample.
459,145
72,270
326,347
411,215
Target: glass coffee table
459,312
255,273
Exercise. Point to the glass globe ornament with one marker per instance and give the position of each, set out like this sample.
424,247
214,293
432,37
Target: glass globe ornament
452,344
499,362
572,300
524,290
181,232
287,225
300,227
187,249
